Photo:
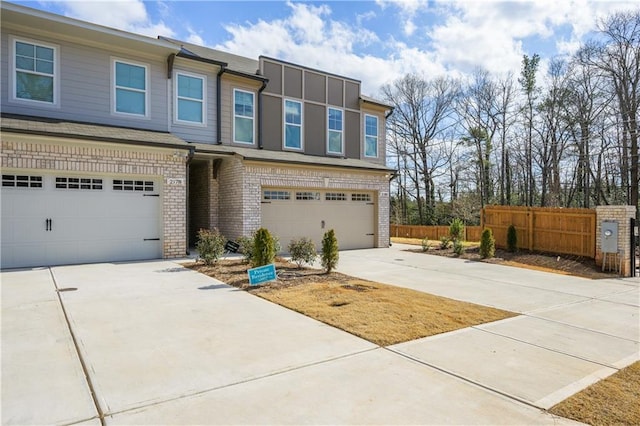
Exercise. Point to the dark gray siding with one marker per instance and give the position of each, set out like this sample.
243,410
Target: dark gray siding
335,92
315,87
351,95
85,86
274,73
272,123
293,82
352,134
315,119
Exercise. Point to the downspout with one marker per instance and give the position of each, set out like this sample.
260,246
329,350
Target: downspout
264,85
219,105
187,210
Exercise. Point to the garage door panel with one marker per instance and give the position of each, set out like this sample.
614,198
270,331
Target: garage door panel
352,221
86,225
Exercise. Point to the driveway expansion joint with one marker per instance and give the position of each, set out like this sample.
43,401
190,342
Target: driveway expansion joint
83,364
239,382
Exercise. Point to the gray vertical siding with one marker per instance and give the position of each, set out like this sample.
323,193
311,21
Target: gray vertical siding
315,119
272,123
352,134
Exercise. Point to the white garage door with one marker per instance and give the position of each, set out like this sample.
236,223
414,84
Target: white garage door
293,213
64,219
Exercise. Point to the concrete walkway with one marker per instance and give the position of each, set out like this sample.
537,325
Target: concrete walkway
154,343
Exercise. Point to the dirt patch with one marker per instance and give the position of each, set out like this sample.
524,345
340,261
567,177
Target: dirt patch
548,262
612,401
379,313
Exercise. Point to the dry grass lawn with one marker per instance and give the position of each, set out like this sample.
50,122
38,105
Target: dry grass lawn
382,314
612,401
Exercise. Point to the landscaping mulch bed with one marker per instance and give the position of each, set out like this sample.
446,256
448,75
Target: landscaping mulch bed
559,264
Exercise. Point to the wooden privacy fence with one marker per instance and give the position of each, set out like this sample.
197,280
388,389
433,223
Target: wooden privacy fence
553,230
472,233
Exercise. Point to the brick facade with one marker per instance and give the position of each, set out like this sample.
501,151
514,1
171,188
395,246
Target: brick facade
49,154
622,215
241,186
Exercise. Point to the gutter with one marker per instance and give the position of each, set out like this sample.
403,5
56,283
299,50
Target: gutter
100,139
219,105
264,85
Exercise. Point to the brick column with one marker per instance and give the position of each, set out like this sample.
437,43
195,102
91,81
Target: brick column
622,215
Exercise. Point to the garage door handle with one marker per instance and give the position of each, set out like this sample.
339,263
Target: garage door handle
151,239
371,234
47,225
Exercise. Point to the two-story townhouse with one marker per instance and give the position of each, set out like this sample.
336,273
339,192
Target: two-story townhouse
300,151
117,146
90,171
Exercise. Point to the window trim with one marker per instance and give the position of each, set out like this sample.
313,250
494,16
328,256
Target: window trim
253,116
285,124
377,135
341,152
56,72
203,101
114,87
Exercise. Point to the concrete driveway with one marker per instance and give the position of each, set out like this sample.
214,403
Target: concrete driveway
154,343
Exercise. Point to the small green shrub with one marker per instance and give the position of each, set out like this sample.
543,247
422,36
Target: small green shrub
456,230
264,248
210,245
512,239
426,245
444,243
246,247
302,251
329,255
487,244
458,247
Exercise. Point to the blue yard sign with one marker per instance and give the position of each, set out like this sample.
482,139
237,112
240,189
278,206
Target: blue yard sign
262,274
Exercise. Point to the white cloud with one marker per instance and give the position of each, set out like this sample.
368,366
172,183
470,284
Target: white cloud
128,15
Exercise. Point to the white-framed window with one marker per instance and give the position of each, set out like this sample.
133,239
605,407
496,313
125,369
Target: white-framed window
34,74
292,124
361,197
79,183
370,136
243,117
21,181
335,129
190,98
130,88
335,196
276,195
132,185
307,196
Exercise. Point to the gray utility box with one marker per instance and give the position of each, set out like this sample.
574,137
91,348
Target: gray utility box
609,236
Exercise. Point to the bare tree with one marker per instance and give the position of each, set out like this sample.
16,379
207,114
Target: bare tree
527,81
617,54
423,113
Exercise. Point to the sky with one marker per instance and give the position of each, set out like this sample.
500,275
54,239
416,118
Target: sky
374,41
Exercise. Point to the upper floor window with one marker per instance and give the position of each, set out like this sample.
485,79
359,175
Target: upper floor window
370,136
130,88
292,124
190,98
35,72
335,128
243,128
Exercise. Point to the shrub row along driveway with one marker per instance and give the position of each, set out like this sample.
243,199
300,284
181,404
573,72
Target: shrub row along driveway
161,344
